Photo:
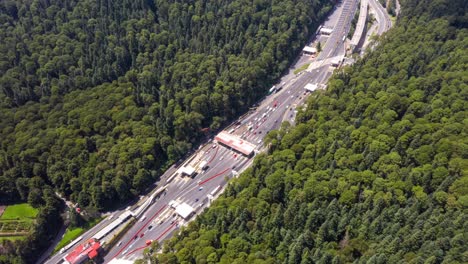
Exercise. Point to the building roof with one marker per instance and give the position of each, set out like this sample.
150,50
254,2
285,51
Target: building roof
236,143
92,254
118,221
311,87
184,210
308,49
188,170
203,164
326,30
83,252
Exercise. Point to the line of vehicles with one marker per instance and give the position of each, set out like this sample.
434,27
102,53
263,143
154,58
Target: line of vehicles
275,88
203,164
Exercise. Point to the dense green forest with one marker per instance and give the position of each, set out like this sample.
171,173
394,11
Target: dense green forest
376,171
99,97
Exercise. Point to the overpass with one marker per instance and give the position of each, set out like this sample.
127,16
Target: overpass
360,26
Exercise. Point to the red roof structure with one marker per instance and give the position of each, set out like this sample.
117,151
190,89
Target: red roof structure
236,143
88,250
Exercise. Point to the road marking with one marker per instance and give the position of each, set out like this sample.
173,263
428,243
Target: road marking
212,177
157,239
137,233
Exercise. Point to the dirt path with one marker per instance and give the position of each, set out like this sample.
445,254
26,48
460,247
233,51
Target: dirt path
2,209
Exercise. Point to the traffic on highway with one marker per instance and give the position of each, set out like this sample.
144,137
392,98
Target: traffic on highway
185,190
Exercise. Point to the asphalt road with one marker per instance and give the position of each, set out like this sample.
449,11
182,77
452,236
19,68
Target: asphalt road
340,30
57,258
193,191
383,19
273,110
158,221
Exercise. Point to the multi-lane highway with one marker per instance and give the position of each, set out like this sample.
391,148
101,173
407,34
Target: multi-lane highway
340,31
160,221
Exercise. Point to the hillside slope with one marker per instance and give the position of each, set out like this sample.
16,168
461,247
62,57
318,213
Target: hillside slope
98,98
376,171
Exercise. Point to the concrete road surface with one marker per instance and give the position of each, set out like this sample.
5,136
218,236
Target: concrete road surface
159,221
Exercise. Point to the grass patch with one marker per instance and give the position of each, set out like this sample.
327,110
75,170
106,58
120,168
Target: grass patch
70,234
11,238
19,212
302,68
16,221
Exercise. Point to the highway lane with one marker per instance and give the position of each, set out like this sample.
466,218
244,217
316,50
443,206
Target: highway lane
265,118
383,19
182,190
57,258
159,214
340,30
226,159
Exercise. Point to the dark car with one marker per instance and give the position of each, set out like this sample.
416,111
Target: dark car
149,227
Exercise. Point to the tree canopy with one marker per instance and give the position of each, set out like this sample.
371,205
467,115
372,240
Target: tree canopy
98,98
374,172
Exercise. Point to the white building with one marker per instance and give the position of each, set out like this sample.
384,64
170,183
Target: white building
187,170
326,31
184,210
309,50
311,87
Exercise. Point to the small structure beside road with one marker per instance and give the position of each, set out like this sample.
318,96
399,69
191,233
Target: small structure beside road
311,87
307,50
326,31
117,222
83,252
184,210
187,171
235,143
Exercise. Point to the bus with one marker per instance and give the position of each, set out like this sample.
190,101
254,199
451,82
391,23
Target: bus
272,89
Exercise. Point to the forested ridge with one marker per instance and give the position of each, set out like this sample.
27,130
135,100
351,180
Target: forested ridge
374,172
99,97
